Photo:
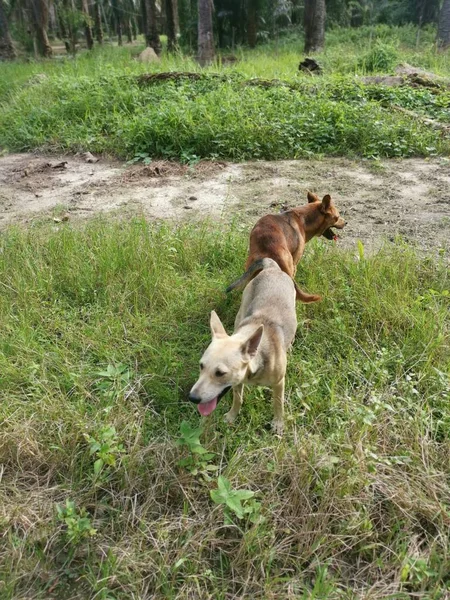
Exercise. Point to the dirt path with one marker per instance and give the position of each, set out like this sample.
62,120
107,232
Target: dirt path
379,200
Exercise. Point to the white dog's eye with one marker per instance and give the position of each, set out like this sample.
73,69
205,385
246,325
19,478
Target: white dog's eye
219,373
201,366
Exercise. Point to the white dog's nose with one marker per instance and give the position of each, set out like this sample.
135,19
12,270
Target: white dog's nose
194,398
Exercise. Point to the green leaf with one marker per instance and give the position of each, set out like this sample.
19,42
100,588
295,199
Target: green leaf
209,455
244,494
223,484
235,505
198,449
360,250
218,497
98,465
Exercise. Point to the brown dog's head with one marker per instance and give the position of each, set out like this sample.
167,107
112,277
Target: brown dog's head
330,216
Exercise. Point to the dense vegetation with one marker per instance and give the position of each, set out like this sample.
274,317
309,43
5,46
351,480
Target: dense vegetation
95,102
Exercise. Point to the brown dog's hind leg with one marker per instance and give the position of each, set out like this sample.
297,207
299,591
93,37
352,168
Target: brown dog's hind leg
302,296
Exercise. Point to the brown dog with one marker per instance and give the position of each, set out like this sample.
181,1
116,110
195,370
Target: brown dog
283,237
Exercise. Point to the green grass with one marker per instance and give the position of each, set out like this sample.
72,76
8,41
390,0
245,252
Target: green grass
93,102
102,327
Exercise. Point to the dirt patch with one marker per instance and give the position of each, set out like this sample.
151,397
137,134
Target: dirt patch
379,200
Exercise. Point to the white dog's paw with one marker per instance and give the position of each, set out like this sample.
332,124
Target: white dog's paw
278,427
229,417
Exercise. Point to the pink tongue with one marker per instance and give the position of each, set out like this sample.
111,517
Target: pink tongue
207,408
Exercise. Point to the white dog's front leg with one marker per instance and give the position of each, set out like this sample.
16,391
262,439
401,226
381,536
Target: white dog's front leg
238,393
278,407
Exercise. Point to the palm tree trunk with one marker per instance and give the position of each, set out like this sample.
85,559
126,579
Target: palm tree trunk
128,30
117,11
205,32
150,25
252,25
87,24
443,34
40,19
7,51
98,22
172,22
314,23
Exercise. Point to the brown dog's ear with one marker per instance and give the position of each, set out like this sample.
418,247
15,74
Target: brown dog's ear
250,347
326,202
217,329
312,198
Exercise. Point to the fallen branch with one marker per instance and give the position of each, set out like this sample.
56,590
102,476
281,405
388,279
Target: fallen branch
389,80
425,120
149,78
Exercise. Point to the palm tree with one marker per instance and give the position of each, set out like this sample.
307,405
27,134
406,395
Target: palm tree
98,22
205,32
7,51
148,8
87,24
39,10
314,23
252,22
443,34
172,24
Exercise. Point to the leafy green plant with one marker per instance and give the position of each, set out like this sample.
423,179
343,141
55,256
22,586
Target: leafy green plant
77,521
416,571
106,448
143,157
114,380
198,461
380,58
239,503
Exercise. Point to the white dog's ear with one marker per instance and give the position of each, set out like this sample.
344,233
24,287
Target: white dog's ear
217,329
250,347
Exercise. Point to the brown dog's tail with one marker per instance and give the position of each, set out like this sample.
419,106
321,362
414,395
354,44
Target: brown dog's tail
302,296
251,272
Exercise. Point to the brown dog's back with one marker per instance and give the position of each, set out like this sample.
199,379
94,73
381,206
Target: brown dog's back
283,237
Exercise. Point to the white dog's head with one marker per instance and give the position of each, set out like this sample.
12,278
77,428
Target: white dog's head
223,365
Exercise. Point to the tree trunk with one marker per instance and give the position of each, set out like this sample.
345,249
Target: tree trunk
40,20
87,24
128,30
98,22
314,23
419,27
443,34
7,51
150,25
205,32
252,24
171,22
117,12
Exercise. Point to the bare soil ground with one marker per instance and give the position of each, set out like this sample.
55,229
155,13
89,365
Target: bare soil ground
378,199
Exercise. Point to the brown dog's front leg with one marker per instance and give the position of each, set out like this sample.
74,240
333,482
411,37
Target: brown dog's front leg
238,393
278,407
